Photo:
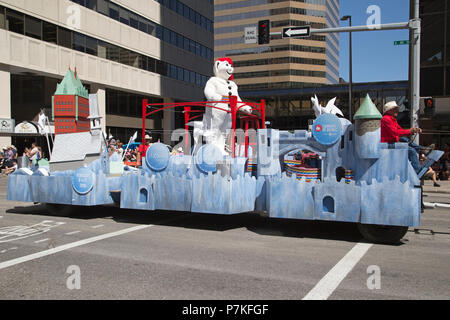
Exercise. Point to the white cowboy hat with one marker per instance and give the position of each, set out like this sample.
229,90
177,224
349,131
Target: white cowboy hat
389,106
147,137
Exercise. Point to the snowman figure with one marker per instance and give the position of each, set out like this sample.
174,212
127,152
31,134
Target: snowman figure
216,123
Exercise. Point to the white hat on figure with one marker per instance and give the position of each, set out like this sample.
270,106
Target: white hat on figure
389,106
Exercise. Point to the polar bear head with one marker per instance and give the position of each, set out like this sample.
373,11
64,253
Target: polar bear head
223,68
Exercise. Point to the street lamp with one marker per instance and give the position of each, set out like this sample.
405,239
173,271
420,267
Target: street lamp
349,18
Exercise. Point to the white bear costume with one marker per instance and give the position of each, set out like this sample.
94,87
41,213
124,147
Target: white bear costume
216,123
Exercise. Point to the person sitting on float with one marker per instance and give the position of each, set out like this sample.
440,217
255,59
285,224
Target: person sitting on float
392,132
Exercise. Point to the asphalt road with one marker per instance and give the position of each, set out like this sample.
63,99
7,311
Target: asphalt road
168,255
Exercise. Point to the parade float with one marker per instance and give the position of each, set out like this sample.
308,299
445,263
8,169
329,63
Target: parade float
334,171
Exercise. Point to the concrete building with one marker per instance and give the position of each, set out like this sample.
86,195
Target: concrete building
283,63
123,50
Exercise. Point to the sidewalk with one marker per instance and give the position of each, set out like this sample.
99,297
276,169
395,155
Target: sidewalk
444,188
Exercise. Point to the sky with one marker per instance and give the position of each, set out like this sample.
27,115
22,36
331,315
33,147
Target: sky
375,57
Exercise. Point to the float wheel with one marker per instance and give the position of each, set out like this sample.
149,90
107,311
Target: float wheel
382,234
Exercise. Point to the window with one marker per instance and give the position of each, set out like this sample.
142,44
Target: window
142,25
186,75
134,21
180,73
33,27
2,18
134,59
161,68
79,42
49,32
91,46
14,21
102,7
91,4
124,56
179,41
151,29
143,62
113,11
64,38
124,16
173,38
186,44
102,49
151,65
113,53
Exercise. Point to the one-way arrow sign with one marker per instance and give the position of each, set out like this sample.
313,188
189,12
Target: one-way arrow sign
293,32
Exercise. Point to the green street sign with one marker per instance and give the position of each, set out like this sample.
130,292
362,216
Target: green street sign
398,43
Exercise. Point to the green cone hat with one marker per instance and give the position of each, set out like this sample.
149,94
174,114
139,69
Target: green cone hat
367,110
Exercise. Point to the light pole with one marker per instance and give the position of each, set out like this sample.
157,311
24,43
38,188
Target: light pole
350,111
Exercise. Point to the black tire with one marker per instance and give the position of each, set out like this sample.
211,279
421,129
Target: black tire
61,210
382,234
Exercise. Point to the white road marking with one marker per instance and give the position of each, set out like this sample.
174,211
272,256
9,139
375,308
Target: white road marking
99,226
8,234
71,233
43,240
326,286
48,252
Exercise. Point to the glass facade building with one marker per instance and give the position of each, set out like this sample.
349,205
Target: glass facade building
283,63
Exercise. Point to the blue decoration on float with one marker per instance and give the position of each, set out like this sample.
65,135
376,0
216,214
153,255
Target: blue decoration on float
327,129
207,157
83,180
157,157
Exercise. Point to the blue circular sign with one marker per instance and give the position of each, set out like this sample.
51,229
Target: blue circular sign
327,129
207,157
157,157
83,180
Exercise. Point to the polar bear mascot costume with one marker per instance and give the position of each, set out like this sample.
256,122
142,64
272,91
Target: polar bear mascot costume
216,123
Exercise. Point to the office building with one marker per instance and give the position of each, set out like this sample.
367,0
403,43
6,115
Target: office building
123,50
283,63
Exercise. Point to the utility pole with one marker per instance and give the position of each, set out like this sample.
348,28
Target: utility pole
415,67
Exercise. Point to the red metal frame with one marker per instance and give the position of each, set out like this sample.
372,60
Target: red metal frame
258,121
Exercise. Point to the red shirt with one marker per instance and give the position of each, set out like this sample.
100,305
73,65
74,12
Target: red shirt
391,130
143,149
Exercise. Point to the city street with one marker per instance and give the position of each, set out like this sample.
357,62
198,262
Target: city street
123,254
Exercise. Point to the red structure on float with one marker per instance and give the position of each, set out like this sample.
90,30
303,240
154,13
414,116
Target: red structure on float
70,105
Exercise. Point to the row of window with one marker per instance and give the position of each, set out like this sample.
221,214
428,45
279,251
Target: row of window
249,3
189,13
271,12
64,109
277,85
259,62
236,52
18,22
138,22
64,103
127,104
277,73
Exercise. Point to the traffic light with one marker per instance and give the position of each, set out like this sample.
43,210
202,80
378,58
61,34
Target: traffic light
263,32
429,107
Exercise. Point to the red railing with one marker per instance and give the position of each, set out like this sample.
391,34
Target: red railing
256,121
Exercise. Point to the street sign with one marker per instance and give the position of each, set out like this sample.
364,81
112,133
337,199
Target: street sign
402,42
250,35
296,32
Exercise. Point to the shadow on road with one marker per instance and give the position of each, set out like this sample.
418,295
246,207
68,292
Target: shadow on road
253,222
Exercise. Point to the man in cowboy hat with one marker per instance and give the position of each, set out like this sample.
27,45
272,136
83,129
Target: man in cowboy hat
142,151
391,132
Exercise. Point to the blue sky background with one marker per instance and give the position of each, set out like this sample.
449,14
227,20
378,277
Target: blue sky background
375,58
